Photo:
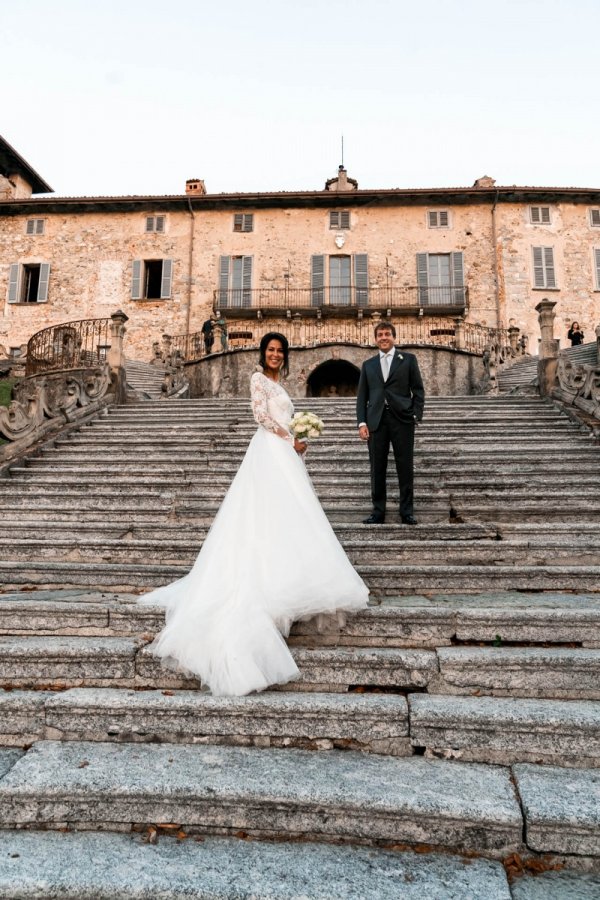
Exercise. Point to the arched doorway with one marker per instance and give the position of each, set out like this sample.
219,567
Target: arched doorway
334,378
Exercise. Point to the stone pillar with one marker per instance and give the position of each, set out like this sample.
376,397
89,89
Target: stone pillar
548,360
115,356
167,340
513,339
459,333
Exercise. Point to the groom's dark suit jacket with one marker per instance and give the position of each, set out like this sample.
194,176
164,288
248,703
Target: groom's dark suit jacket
403,391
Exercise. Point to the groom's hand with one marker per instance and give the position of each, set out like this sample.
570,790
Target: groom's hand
363,433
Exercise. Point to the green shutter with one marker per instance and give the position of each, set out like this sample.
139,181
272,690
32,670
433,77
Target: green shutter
361,279
317,279
14,283
166,280
42,294
136,279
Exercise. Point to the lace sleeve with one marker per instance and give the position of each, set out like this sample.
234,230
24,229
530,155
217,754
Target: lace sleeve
260,407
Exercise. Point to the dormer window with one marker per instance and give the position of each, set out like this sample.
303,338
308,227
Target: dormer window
539,215
155,224
339,219
243,222
438,218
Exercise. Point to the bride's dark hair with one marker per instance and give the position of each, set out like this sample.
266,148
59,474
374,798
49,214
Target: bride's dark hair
264,343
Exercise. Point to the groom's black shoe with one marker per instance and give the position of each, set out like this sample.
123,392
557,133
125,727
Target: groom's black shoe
373,519
409,520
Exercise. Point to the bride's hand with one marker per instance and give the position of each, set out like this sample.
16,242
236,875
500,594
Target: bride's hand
300,446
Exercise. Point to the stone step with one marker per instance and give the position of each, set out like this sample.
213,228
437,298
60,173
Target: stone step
554,673
73,866
506,730
383,580
411,621
331,796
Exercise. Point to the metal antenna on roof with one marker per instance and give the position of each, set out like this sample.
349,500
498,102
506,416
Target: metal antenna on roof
342,151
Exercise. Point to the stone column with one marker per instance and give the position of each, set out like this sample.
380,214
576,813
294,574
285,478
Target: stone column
513,339
548,360
115,356
167,341
459,333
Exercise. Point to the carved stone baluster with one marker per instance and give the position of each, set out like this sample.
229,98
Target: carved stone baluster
548,360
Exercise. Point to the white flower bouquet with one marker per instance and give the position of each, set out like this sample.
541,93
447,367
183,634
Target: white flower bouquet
306,426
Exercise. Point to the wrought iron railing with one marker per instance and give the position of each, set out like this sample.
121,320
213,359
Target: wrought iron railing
409,297
70,345
311,332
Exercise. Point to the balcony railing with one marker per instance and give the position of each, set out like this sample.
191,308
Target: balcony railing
408,298
71,345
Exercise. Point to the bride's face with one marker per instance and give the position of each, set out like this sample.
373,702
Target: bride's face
274,356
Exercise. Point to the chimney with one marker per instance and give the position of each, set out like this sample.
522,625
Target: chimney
342,182
485,182
195,186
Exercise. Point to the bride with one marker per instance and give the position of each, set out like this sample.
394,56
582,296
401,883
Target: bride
270,557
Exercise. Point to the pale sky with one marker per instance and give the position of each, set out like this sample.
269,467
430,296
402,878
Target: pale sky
135,96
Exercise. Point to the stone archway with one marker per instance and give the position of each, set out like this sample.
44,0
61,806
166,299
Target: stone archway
333,378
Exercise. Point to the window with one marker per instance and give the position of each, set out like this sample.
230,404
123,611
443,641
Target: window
35,226
597,266
339,219
595,217
438,218
235,281
243,222
28,283
151,279
348,283
539,215
440,279
155,224
543,267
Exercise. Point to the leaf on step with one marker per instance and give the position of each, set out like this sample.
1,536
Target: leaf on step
151,836
83,764
168,693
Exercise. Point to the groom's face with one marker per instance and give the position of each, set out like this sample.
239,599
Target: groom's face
384,340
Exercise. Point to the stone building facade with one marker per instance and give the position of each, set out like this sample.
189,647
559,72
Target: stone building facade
321,262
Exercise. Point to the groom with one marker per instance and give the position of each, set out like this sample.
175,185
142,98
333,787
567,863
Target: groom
389,404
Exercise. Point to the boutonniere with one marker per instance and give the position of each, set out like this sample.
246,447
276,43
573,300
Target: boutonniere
399,355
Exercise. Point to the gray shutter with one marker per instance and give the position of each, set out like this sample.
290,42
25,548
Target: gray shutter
224,265
422,278
160,224
361,279
136,279
42,294
39,228
30,226
443,214
458,278
238,221
14,283
334,219
534,212
248,222
246,281
595,217
538,267
545,215
345,219
432,219
549,266
597,261
166,280
149,223
317,279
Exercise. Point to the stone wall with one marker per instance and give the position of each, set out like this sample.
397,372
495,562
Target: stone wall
445,372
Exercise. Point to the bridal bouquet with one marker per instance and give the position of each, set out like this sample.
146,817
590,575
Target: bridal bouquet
305,426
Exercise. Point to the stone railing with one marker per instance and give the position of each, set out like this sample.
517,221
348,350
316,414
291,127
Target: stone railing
504,347
45,402
168,354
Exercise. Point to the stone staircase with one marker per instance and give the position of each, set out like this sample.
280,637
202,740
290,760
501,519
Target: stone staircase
459,715
144,379
523,373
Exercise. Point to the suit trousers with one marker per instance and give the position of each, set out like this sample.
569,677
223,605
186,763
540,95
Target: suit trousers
401,435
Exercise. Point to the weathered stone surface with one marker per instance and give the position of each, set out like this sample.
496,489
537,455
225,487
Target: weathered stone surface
502,730
66,661
561,807
381,626
286,792
320,721
22,716
39,866
30,616
519,671
561,625
8,758
556,886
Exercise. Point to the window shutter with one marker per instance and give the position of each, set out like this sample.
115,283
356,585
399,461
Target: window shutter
422,278
345,219
149,223
14,283
42,294
167,278
549,266
334,219
458,278
597,261
545,215
361,278
30,226
160,224
317,279
534,213
246,281
238,221
136,279
248,223
39,226
224,265
538,267
444,218
432,218
595,217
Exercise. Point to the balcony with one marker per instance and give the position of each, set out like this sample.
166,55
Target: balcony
339,301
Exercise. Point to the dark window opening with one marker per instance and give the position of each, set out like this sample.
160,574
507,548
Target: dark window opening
153,273
334,378
31,283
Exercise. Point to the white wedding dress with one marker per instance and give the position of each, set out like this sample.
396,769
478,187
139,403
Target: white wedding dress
270,557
